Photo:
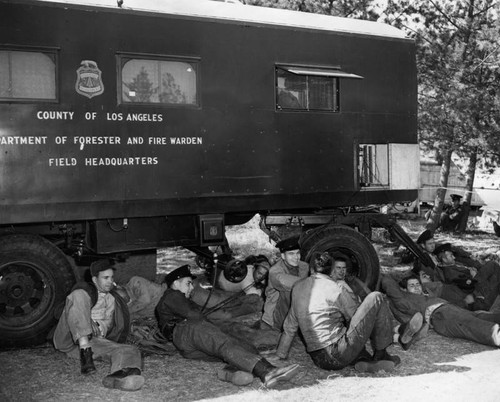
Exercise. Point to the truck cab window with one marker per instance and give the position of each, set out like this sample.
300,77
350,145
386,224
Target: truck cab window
158,81
27,75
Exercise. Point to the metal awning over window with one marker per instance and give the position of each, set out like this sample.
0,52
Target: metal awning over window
323,72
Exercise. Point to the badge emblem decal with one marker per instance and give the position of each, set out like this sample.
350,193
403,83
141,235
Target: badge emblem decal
88,79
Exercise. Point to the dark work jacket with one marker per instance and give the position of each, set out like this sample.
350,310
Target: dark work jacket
121,320
404,304
173,308
459,276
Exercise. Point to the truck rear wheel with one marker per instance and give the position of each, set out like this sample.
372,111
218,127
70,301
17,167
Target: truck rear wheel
343,239
35,277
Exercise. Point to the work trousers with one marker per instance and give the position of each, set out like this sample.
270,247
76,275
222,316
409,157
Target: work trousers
202,340
241,305
372,320
75,322
488,285
478,326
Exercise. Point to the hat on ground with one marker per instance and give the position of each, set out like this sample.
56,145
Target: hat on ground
100,265
292,243
424,236
455,197
178,273
442,248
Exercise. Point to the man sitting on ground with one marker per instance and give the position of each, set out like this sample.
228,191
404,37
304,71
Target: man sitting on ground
196,338
95,323
282,276
341,266
335,326
452,214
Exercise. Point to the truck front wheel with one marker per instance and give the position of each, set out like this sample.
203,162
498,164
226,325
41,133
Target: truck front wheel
354,245
35,277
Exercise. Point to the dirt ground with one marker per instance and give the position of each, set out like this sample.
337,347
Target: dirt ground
439,368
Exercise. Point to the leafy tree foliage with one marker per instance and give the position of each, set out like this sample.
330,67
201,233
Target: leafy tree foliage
458,58
458,79
365,9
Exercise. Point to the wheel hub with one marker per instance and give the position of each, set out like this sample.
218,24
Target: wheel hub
21,289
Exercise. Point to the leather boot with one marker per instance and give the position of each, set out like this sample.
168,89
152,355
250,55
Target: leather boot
271,375
126,379
381,361
86,361
235,376
382,355
408,331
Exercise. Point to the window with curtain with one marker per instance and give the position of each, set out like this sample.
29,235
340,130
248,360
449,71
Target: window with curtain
158,81
27,75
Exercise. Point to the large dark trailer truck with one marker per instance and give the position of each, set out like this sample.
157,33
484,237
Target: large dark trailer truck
153,124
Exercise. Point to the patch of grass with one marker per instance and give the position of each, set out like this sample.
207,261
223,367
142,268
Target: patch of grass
43,374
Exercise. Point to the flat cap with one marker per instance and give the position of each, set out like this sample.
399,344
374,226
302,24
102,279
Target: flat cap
442,248
101,265
424,236
289,244
455,197
178,273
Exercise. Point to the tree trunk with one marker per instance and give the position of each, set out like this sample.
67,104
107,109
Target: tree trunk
435,215
469,187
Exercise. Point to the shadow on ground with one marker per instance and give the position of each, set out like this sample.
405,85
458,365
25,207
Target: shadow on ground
42,374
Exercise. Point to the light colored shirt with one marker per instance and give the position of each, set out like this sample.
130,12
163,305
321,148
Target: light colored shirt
102,312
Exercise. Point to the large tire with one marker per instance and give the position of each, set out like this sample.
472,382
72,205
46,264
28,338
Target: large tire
343,239
35,277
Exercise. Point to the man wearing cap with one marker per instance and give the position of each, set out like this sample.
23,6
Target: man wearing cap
431,274
182,320
481,285
282,277
335,326
95,324
427,244
452,215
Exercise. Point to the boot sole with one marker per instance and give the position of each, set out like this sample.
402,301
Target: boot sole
129,383
285,376
374,366
412,328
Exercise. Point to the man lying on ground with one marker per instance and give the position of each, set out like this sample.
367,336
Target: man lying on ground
482,283
446,319
197,338
474,288
336,326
